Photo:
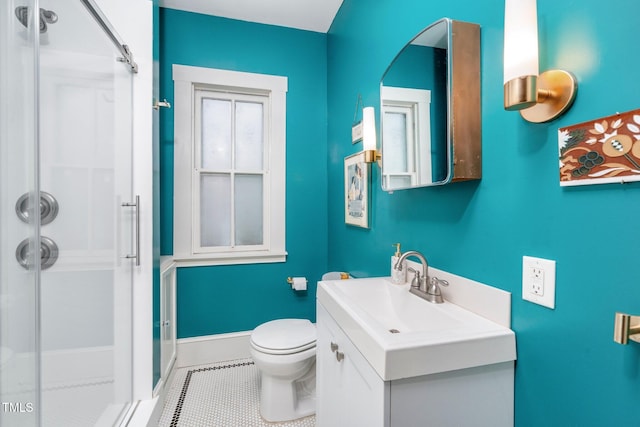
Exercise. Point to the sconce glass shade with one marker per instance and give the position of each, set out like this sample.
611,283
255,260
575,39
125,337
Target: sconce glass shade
369,142
539,97
520,54
368,129
520,39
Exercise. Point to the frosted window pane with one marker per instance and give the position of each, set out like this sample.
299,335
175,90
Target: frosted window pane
215,215
395,141
248,197
249,136
216,134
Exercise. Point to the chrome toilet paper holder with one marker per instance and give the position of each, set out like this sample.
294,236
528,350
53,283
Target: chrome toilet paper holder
626,328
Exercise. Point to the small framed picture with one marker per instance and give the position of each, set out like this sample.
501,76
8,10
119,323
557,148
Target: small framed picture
601,151
356,191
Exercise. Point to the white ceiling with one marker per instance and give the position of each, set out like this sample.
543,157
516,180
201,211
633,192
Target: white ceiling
311,15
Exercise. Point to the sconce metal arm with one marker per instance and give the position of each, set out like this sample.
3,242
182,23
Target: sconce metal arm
541,98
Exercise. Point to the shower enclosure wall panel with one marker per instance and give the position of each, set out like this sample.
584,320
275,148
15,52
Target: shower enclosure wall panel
134,21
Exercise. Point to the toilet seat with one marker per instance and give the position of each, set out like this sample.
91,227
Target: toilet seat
282,351
284,336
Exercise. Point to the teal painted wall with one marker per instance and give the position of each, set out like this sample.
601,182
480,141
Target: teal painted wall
569,371
214,300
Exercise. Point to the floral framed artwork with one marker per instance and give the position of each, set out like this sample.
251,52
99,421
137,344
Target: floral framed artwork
601,151
356,191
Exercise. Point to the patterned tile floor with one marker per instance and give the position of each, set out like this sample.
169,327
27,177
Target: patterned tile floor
224,394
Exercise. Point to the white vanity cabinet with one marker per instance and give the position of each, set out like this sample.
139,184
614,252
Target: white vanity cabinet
350,392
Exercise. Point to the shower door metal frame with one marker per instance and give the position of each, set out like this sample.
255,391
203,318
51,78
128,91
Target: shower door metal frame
127,55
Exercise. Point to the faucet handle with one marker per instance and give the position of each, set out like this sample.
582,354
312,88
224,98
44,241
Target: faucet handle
436,281
415,283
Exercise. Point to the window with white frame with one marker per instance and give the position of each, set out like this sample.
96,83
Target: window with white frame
229,166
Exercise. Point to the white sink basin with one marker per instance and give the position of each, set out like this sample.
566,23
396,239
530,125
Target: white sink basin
403,336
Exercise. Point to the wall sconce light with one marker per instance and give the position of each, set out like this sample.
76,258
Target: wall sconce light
540,98
369,144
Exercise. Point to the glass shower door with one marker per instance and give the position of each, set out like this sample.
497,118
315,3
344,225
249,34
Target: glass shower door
67,217
86,167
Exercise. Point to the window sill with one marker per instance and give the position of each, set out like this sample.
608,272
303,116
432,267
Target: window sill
203,260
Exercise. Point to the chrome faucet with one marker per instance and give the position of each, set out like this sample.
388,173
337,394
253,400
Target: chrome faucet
422,285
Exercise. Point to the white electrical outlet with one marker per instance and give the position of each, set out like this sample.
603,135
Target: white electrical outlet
539,281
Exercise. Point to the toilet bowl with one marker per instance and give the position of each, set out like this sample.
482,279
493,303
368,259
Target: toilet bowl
284,351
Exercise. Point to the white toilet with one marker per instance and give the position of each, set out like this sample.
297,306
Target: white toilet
284,351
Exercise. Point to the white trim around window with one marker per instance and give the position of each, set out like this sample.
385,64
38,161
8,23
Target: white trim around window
188,81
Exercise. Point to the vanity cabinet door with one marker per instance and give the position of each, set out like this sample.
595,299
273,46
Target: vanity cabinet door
349,392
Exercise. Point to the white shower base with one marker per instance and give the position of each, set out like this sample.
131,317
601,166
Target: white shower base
78,388
76,405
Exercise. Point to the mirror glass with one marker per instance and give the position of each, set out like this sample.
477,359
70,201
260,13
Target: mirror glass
414,94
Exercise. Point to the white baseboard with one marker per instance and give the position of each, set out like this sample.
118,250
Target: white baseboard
213,348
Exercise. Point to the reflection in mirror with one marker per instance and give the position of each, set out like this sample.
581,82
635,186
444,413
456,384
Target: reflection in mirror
417,107
414,102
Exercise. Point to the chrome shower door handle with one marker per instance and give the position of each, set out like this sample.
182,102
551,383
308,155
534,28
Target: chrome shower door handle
135,205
